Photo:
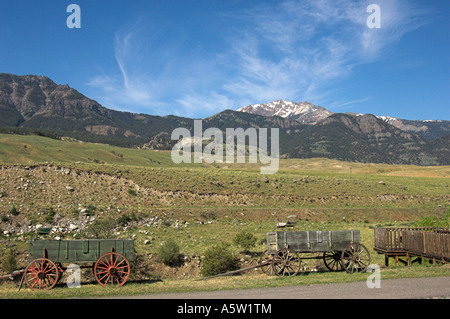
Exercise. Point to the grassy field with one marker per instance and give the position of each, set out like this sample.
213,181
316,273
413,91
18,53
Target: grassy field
61,183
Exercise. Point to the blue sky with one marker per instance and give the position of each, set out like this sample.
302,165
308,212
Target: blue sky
196,58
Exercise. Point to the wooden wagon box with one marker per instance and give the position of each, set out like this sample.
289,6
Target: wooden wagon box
83,251
312,241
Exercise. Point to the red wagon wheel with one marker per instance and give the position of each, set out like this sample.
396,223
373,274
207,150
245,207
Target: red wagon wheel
112,268
41,273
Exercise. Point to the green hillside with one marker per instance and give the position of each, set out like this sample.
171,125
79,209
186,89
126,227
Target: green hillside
30,149
314,189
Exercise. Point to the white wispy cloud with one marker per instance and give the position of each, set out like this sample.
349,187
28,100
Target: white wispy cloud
128,88
311,44
144,74
294,49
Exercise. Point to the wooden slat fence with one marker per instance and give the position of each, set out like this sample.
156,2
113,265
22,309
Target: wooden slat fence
391,239
428,244
419,241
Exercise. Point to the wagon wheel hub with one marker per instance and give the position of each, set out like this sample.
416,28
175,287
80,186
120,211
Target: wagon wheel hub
112,271
332,260
285,262
41,275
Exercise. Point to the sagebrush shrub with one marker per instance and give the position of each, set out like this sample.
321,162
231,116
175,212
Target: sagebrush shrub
169,252
9,263
219,259
244,239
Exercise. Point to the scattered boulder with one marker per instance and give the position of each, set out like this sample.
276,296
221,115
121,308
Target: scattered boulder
264,179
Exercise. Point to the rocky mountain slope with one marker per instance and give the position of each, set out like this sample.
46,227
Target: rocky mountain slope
366,138
35,104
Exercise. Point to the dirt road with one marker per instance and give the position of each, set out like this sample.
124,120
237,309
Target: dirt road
432,287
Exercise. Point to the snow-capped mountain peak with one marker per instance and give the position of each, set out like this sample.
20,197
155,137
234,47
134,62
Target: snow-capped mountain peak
303,112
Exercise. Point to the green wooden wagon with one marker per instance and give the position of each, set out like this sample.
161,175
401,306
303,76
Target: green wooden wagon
339,250
109,259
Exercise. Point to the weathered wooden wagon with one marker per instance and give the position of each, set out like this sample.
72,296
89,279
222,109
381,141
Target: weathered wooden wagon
339,250
109,259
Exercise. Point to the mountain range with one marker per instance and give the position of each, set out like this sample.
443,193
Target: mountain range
307,113
35,104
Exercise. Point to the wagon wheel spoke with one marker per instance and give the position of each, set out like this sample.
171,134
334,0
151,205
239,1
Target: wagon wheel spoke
363,258
332,260
277,263
41,273
355,258
336,265
286,263
293,265
112,268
